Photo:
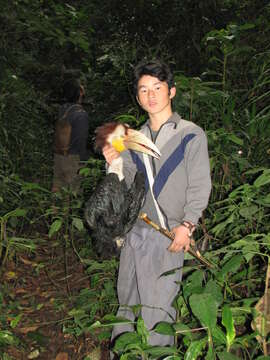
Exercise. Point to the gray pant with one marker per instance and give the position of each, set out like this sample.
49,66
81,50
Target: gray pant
143,260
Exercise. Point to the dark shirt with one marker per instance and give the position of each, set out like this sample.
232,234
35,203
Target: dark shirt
79,121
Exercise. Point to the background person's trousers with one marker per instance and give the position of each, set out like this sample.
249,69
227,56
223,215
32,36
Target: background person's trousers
143,260
66,172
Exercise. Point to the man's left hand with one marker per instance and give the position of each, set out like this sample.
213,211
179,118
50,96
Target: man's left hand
181,239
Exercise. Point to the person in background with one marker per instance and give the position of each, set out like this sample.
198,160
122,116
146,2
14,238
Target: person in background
179,186
68,157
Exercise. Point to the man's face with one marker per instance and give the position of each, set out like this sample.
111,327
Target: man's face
154,95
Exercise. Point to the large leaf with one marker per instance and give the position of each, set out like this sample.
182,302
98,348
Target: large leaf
142,330
215,290
263,179
78,224
184,330
227,356
249,245
204,307
210,354
195,349
158,351
164,328
248,211
219,335
126,339
15,213
55,227
193,284
231,266
228,322
110,320
7,338
235,139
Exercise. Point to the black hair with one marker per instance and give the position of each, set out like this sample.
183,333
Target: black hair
71,90
154,68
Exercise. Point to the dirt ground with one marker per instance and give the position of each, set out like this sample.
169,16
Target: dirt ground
41,287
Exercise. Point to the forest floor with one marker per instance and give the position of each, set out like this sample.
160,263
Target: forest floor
39,290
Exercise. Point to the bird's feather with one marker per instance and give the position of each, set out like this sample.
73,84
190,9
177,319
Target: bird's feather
112,210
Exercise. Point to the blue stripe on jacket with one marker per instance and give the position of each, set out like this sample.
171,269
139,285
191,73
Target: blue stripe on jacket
170,165
166,169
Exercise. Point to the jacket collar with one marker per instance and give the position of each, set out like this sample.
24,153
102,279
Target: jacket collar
174,119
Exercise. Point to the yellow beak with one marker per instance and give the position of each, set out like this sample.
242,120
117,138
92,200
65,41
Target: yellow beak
136,141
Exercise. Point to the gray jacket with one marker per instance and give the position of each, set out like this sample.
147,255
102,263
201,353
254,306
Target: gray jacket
182,182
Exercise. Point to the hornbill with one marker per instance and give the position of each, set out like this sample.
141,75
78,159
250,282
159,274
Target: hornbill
113,208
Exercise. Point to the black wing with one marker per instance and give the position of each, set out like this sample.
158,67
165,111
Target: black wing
112,210
135,196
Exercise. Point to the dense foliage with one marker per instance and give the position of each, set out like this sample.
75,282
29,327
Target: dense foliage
220,52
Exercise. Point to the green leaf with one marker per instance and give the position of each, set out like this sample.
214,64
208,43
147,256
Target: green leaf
263,179
111,319
248,211
210,354
158,351
265,201
235,139
204,307
228,322
193,284
78,224
184,330
142,330
219,335
246,26
231,266
227,356
55,227
7,338
14,322
85,171
255,170
104,335
164,328
195,349
215,290
15,213
125,339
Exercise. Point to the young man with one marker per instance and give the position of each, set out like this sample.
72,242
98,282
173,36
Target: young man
67,164
179,193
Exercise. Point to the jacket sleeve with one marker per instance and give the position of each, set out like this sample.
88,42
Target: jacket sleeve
130,168
198,177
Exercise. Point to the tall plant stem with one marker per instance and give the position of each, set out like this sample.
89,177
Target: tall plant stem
224,80
1,237
3,256
265,308
191,99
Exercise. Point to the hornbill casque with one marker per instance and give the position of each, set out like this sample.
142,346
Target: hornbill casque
114,207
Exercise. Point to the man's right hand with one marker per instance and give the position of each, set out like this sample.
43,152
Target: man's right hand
110,153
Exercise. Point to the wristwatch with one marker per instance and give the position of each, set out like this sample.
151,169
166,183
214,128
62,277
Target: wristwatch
191,227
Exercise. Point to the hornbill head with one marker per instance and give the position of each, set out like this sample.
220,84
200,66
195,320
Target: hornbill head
121,137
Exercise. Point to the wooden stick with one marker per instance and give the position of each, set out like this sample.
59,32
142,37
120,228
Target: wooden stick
170,235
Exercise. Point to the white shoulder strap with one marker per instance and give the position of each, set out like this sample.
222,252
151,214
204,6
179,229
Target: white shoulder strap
151,183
